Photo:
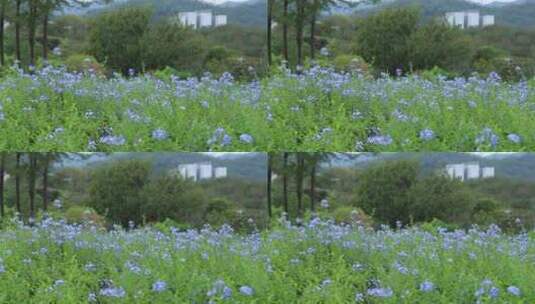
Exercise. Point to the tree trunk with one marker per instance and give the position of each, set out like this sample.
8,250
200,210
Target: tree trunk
269,31
31,31
17,32
17,185
45,36
299,27
31,186
285,33
2,22
45,182
269,177
313,188
313,34
299,182
2,167
285,184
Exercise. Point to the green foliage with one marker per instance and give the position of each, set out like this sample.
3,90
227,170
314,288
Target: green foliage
174,198
351,215
84,63
383,191
84,215
116,38
384,38
116,191
436,44
440,197
168,44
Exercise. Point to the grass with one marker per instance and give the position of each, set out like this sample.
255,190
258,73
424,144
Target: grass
320,110
320,262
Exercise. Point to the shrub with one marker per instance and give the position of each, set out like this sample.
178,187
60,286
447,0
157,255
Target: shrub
84,215
82,63
350,215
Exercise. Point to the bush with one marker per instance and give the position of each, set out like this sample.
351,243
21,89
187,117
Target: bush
84,215
349,63
350,215
116,190
84,64
383,191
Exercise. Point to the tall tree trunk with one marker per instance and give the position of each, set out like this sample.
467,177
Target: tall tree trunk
299,183
285,33
17,32
313,188
31,185
269,178
45,36
285,183
313,32
299,27
2,23
2,167
17,185
31,30
269,31
45,181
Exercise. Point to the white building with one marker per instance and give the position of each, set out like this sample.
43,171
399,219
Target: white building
472,19
472,171
456,19
220,172
469,19
189,171
488,20
205,19
456,171
205,171
488,172
469,171
220,20
188,19
200,171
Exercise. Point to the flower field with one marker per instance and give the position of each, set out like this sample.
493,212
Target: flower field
319,262
319,110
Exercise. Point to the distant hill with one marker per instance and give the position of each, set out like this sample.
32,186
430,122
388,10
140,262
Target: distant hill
517,166
248,13
250,166
519,14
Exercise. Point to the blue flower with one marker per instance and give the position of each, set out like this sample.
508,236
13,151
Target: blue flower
382,140
246,138
246,290
113,292
113,140
514,290
159,286
380,292
160,134
515,138
494,292
427,135
427,286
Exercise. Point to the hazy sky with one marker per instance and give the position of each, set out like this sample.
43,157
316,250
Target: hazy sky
223,1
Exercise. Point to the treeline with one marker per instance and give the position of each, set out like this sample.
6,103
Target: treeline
124,40
28,16
400,191
123,192
126,191
127,40
393,40
295,16
409,44
30,175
